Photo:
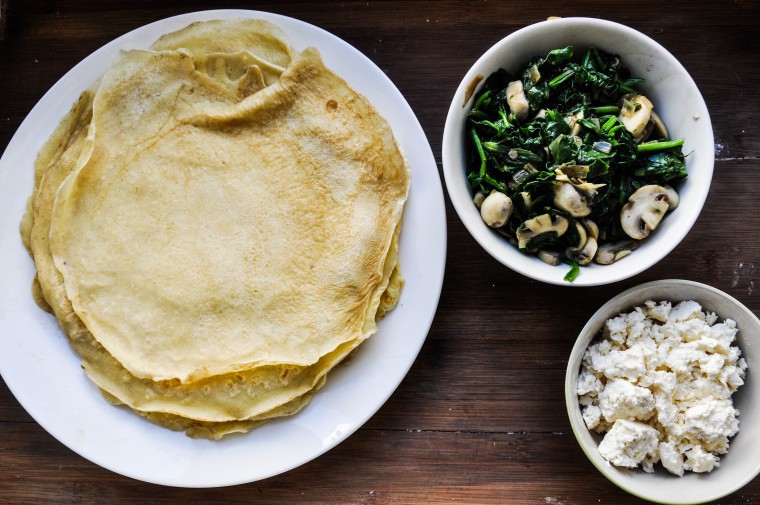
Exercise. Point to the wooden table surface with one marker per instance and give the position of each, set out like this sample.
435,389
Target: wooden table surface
480,418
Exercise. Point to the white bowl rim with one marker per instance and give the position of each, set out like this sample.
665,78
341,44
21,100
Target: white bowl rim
571,403
530,266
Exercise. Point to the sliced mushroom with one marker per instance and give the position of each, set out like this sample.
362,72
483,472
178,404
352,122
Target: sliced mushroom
591,228
567,198
635,113
673,198
478,199
574,174
659,127
496,209
644,210
646,133
540,225
585,254
516,100
582,237
655,129
552,258
612,251
585,249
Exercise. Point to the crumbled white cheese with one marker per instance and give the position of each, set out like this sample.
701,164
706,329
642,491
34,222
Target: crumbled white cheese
710,419
591,416
659,383
699,460
670,458
685,311
621,399
628,443
616,363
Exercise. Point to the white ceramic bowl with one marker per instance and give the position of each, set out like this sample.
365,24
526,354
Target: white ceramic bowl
742,462
675,96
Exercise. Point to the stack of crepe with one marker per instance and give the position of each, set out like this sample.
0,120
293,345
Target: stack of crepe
215,227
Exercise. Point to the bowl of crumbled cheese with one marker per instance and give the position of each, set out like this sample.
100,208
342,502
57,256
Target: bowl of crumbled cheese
659,390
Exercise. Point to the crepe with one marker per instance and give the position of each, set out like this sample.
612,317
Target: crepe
228,47
55,161
182,252
245,395
216,430
217,401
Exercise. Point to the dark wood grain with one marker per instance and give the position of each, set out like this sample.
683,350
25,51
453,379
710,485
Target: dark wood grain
480,418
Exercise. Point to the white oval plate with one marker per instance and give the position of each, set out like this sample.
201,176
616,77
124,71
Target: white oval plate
45,375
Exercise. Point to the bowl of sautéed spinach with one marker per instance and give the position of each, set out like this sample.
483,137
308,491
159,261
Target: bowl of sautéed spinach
578,151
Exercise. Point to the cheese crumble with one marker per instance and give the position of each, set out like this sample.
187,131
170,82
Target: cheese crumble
658,382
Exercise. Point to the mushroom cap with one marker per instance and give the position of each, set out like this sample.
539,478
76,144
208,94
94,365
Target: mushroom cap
612,251
538,225
552,258
584,255
582,237
635,119
591,228
659,126
673,198
496,209
644,211
654,129
569,199
478,199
